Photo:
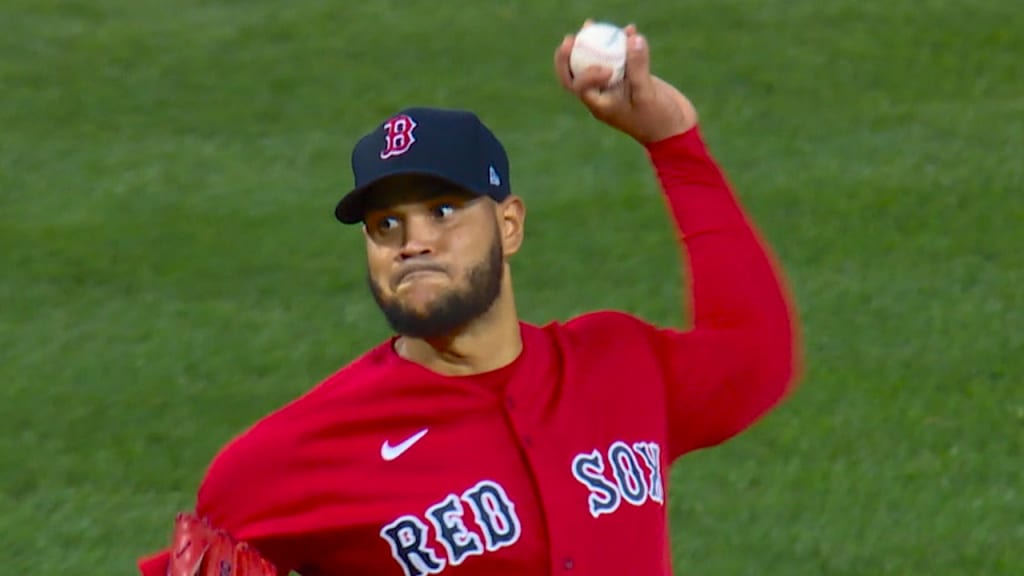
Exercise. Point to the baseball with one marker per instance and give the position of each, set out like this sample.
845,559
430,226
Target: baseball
599,44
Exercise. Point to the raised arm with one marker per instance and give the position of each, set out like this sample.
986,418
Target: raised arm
741,355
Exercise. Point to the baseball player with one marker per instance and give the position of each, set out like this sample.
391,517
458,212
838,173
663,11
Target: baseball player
473,443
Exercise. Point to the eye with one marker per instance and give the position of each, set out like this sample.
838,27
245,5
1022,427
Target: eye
444,210
385,224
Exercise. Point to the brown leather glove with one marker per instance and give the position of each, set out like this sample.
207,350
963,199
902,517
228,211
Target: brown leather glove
198,549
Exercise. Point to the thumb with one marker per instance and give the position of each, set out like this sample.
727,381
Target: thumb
638,67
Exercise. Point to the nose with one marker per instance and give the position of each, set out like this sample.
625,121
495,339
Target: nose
419,239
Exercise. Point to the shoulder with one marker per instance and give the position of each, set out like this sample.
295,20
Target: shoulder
602,329
605,319
602,322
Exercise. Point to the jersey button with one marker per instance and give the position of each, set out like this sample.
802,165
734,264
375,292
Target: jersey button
510,403
568,563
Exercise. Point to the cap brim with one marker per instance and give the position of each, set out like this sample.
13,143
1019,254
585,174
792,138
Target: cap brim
352,206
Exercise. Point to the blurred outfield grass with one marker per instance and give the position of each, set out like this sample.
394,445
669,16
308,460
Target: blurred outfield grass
172,271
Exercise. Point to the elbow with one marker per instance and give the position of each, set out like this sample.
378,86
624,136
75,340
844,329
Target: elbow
770,377
791,361
774,369
780,363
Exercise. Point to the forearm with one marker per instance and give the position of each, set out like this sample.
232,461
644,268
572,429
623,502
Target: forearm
734,283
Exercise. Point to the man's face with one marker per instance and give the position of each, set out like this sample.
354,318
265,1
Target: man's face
434,255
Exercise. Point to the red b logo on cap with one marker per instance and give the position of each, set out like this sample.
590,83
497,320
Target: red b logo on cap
399,136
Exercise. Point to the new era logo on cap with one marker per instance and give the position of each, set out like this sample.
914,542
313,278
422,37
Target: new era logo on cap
493,177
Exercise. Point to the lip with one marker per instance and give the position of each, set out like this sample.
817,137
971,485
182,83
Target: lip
417,274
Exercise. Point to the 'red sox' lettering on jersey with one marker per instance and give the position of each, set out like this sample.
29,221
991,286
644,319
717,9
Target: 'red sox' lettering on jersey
618,476
495,526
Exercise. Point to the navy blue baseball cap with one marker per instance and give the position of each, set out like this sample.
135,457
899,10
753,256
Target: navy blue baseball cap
452,145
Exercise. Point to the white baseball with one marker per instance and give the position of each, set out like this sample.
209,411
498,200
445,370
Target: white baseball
599,44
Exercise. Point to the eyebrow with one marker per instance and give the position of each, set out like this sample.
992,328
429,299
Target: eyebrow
385,198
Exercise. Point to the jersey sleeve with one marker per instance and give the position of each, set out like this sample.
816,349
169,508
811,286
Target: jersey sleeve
154,564
740,357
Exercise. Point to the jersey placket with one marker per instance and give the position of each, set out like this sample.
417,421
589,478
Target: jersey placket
525,399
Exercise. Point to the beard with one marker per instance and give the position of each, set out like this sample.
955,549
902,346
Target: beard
453,310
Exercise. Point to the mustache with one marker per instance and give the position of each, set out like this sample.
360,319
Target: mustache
417,267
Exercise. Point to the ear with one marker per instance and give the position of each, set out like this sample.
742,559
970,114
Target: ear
511,222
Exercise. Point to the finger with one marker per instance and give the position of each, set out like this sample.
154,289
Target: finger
592,100
600,102
638,66
591,87
562,61
593,78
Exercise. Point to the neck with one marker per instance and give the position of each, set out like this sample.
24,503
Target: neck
490,342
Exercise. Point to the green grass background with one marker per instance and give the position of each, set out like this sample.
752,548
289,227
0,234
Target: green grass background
171,270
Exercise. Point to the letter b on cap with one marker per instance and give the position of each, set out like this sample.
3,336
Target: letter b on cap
398,136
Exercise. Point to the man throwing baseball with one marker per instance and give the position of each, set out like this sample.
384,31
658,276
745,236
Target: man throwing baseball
472,443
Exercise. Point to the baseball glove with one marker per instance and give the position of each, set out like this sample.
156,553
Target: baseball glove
198,549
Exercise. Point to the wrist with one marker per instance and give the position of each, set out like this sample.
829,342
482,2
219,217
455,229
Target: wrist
681,119
687,138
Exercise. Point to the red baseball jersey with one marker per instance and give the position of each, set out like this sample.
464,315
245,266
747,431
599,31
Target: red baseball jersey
554,464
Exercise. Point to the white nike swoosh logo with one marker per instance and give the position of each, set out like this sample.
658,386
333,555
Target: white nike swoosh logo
389,452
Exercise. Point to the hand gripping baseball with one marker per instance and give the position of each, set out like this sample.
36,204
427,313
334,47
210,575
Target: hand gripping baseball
198,549
643,106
